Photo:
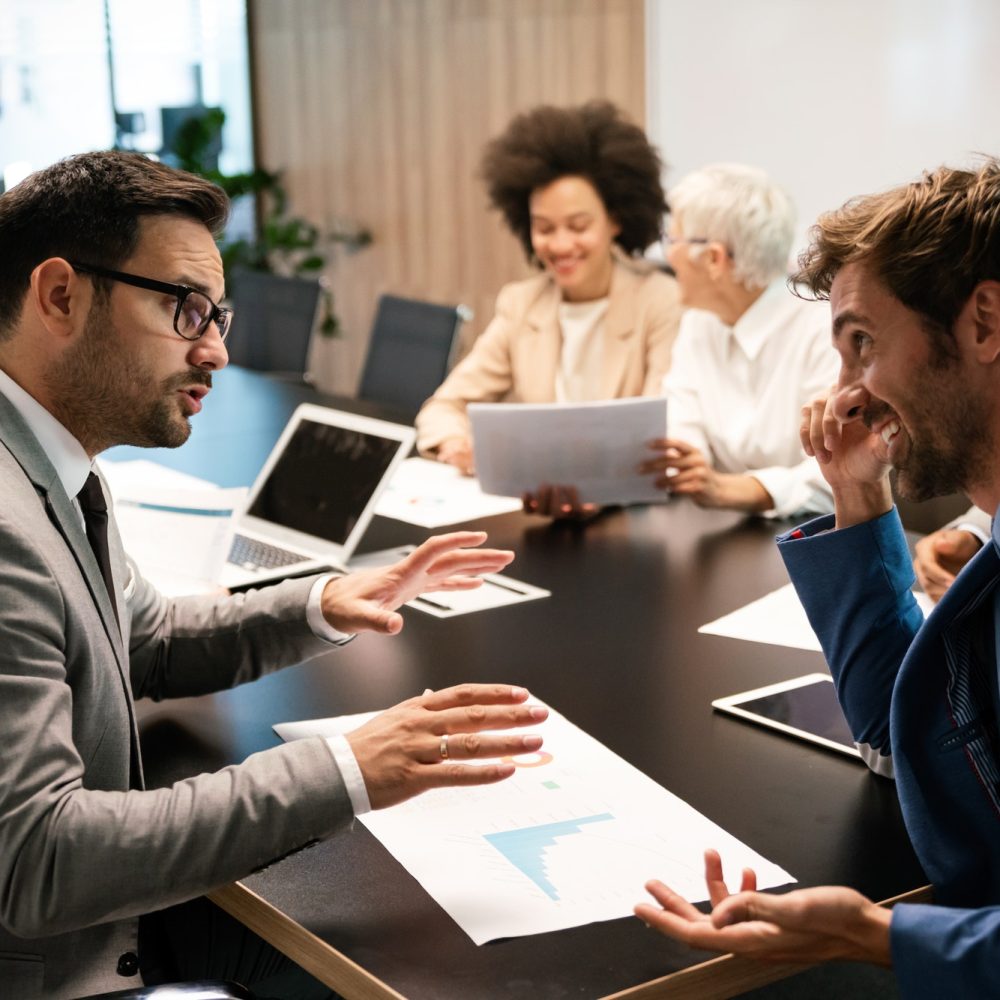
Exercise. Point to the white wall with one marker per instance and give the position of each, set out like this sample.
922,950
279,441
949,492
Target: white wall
833,99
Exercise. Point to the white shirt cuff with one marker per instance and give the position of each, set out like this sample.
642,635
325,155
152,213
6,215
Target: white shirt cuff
975,530
353,778
321,628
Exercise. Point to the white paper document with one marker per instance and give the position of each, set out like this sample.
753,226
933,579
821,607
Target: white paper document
496,592
570,839
177,528
432,494
595,447
778,618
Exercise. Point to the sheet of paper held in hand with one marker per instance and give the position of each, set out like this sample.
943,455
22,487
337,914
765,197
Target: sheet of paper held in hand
778,618
570,839
595,447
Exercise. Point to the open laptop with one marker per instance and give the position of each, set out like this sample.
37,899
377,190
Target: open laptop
315,495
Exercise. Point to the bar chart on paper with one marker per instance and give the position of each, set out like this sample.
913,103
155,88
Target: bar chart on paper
571,838
526,848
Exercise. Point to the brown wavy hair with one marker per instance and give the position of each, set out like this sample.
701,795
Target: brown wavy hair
595,141
930,242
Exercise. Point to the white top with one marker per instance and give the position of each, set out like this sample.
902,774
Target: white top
736,393
73,465
976,522
578,378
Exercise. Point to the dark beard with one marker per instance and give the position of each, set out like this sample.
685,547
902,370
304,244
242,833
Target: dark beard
958,456
93,392
933,473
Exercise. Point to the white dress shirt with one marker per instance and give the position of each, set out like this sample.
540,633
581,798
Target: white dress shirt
73,465
736,393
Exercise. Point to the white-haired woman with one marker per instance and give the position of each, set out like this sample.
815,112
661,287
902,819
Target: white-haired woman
749,353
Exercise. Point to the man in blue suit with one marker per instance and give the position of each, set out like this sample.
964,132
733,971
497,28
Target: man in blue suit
913,278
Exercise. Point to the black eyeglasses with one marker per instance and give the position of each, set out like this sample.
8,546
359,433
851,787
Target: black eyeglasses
195,310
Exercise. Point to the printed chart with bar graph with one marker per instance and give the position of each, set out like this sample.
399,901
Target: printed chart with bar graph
571,838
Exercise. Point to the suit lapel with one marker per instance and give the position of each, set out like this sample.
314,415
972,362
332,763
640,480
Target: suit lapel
26,450
542,318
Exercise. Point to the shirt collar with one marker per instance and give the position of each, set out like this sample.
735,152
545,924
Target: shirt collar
753,329
66,454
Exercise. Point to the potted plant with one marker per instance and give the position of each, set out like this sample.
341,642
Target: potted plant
283,243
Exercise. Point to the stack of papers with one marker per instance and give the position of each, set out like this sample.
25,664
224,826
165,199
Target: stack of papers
176,527
433,494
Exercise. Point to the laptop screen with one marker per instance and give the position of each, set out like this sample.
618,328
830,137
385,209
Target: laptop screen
323,480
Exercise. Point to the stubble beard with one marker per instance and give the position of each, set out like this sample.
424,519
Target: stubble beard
105,397
953,451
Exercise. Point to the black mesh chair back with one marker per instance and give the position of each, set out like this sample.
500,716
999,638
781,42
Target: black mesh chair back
409,352
273,321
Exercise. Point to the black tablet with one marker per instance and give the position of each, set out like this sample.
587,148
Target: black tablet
805,707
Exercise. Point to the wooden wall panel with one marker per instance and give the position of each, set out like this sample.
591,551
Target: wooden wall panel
377,110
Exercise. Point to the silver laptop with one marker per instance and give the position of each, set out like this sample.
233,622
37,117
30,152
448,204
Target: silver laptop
315,495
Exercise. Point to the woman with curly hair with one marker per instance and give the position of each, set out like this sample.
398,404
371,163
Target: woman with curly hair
580,188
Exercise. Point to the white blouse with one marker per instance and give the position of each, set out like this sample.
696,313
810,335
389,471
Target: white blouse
736,393
578,378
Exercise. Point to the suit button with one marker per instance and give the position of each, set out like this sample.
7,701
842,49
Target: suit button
128,964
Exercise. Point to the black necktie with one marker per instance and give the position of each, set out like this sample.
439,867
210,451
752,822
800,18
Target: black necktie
95,517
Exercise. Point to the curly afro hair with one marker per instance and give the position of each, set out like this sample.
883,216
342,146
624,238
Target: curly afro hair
594,141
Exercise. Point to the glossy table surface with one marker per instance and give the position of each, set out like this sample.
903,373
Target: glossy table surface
616,649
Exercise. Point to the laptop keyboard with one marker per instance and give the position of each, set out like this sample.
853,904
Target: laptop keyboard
253,554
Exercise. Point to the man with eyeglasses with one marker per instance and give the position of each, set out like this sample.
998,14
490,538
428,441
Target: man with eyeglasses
110,333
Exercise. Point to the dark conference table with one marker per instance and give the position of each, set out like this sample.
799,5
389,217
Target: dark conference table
616,650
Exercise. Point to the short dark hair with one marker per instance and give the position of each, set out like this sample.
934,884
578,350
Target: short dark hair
87,207
930,242
594,141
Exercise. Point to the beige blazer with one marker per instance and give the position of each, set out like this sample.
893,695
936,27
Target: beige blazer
84,848
517,356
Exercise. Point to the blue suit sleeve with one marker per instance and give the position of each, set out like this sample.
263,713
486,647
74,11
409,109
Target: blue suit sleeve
938,951
855,587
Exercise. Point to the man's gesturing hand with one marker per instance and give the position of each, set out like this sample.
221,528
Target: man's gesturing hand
809,925
366,601
424,742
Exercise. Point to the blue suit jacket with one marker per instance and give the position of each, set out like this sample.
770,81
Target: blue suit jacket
921,699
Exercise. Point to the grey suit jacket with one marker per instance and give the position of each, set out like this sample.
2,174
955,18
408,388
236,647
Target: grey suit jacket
84,849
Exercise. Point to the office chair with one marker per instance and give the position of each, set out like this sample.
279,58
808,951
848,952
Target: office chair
273,321
173,120
179,991
409,352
